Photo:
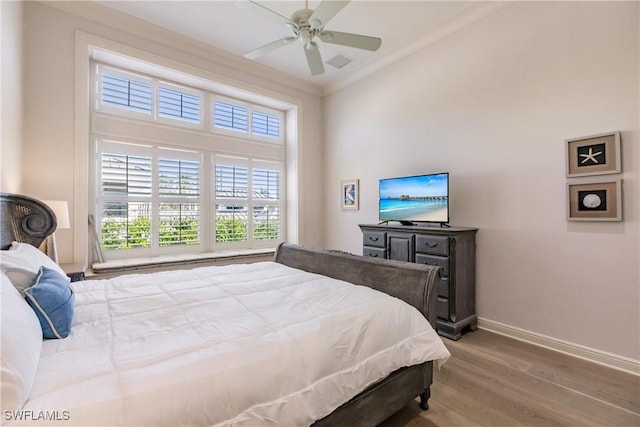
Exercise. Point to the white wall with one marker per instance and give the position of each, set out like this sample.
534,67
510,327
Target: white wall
493,104
49,96
11,93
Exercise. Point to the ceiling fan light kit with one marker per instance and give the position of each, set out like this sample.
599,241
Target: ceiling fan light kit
306,24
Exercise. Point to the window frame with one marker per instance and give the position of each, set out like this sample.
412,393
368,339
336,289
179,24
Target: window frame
250,201
249,133
156,83
122,111
154,199
176,121
253,149
281,125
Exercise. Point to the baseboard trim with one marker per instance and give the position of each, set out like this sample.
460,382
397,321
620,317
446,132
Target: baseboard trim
597,356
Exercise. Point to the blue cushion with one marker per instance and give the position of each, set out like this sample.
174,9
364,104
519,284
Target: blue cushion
53,300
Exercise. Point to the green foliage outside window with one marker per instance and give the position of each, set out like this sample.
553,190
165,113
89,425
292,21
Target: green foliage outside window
116,235
231,229
266,229
176,232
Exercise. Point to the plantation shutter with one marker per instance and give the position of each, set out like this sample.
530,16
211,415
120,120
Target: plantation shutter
175,104
126,93
178,177
231,191
266,204
232,181
229,116
264,124
126,183
179,207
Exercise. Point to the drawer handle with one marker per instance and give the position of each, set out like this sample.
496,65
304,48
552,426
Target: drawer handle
372,239
373,255
429,245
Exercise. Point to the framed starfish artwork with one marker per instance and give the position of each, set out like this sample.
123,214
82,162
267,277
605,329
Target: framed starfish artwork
350,196
593,155
595,199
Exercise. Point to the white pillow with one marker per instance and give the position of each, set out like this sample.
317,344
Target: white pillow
21,345
22,262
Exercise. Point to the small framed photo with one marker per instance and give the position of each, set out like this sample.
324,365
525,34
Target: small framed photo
594,200
593,155
350,195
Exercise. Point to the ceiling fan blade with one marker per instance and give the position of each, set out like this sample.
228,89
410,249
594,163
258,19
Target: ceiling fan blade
256,53
325,11
313,59
353,40
264,11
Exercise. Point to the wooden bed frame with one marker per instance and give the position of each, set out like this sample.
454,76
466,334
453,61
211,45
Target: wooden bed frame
28,220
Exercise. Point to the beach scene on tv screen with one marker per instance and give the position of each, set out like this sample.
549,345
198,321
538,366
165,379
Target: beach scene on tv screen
417,198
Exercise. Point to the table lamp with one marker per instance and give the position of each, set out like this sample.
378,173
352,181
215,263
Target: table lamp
61,209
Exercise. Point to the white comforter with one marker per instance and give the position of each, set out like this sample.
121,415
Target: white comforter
240,345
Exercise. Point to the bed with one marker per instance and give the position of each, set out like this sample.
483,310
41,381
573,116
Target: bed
288,342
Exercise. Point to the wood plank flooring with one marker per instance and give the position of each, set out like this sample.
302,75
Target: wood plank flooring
491,380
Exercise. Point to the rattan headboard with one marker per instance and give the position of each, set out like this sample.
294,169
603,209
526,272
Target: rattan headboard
24,219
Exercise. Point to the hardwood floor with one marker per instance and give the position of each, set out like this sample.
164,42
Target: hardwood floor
492,380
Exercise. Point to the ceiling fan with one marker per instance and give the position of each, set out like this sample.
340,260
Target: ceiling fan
307,24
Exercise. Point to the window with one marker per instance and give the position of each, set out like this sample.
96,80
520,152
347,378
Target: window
178,209
264,124
232,203
247,200
127,94
125,200
228,116
247,120
149,197
124,92
170,180
175,104
266,207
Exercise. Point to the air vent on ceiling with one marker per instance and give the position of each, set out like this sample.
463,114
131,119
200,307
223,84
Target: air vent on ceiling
339,61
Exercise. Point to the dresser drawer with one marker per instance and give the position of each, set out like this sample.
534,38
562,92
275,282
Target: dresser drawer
443,287
374,238
374,252
442,310
440,261
433,245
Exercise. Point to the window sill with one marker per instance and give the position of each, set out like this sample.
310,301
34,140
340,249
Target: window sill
166,262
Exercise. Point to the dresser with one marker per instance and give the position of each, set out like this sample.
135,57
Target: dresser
452,248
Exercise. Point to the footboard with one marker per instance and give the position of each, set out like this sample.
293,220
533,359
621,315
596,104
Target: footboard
413,283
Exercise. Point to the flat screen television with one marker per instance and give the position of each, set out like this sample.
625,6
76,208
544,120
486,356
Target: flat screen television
410,199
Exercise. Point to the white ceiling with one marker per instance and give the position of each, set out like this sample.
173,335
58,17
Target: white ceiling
404,26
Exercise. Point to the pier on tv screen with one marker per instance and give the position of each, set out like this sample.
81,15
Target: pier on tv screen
422,198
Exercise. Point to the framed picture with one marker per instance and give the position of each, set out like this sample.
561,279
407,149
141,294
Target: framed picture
594,200
593,155
350,195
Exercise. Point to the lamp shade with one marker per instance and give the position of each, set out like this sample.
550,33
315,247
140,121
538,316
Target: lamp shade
61,209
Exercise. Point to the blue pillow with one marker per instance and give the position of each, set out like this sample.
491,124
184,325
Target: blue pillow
53,300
